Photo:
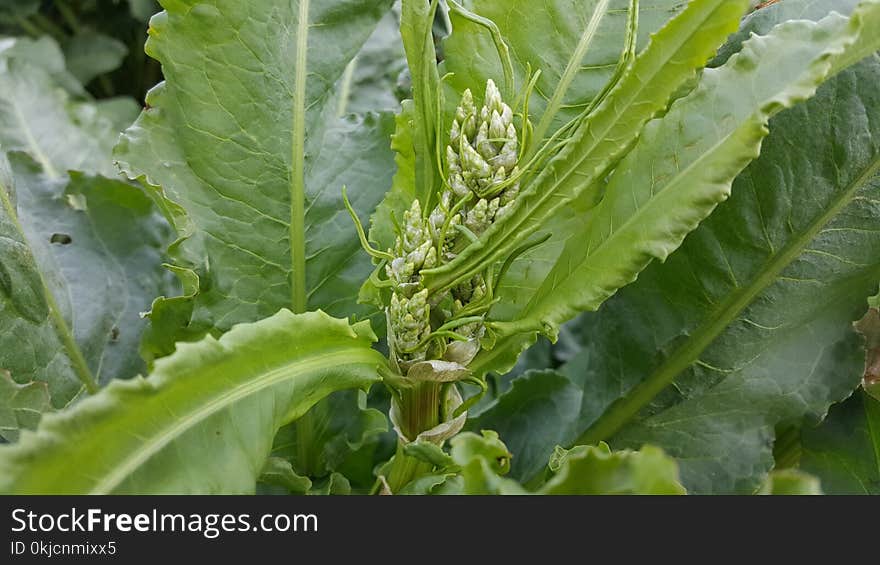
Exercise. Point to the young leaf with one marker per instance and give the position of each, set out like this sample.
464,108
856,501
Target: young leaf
844,451
598,470
203,421
243,136
790,482
416,24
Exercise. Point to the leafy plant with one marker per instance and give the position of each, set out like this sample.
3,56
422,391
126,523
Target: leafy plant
660,189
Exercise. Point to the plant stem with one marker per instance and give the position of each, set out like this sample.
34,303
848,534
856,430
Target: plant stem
419,411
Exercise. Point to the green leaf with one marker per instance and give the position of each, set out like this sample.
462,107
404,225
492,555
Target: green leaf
429,453
44,53
372,79
250,148
844,451
662,190
790,482
92,54
528,418
416,24
21,406
79,261
731,319
334,484
674,54
483,459
761,22
203,421
279,472
706,353
338,427
143,9
596,470
37,117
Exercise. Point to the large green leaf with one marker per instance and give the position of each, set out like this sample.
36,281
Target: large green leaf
844,451
761,22
203,421
662,190
79,261
704,355
81,254
243,136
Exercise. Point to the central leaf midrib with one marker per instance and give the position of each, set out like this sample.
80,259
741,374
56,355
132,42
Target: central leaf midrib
297,235
121,471
621,411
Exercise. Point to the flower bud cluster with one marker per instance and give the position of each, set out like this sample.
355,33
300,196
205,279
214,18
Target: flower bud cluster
481,156
481,165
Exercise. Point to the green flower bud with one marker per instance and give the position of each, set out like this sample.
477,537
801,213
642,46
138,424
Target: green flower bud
410,324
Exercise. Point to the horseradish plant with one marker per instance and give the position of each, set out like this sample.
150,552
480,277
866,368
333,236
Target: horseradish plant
546,163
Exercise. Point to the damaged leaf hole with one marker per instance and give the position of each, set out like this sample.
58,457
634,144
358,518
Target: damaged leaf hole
61,239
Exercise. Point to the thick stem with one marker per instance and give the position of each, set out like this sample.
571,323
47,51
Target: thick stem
419,408
419,411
